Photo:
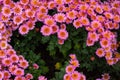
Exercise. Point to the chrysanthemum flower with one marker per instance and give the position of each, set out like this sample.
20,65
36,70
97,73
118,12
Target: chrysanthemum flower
89,42
71,14
70,69
19,78
6,11
23,29
93,36
6,61
14,58
83,7
31,24
60,8
51,5
75,76
24,64
98,9
95,24
55,29
100,52
60,17
21,58
29,13
72,56
42,78
77,23
82,77
2,54
17,20
29,76
100,18
116,18
6,2
43,9
10,52
67,77
34,2
46,31
105,76
108,55
19,72
75,63
67,1
6,74
60,41
84,21
49,21
3,44
108,15
17,10
59,2
35,66
104,43
4,18
63,26
62,34
24,2
1,75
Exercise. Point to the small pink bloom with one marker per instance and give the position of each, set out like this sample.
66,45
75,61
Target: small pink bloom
35,66
62,34
60,17
45,30
100,52
24,64
42,78
69,69
23,29
29,76
19,72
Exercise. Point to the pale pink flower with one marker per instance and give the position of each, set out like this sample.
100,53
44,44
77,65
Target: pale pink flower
46,30
35,66
62,34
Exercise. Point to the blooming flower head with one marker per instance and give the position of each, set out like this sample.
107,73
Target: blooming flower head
72,14
6,2
3,44
67,1
14,58
75,75
70,69
55,29
98,9
62,34
19,72
23,29
93,36
29,76
49,21
19,78
83,7
100,18
43,9
105,76
77,23
60,41
24,2
60,17
51,5
17,20
72,56
12,68
17,10
24,64
67,77
2,54
104,43
35,66
31,24
95,24
6,61
10,52
110,61
75,63
82,77
116,18
46,30
59,2
42,78
108,15
6,11
100,52
30,14
108,55
6,74
89,42
1,75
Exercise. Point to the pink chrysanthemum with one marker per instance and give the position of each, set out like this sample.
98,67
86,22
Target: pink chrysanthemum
51,4
75,75
23,29
77,23
10,52
59,2
14,58
106,76
6,2
67,77
19,72
17,10
30,13
55,29
82,77
62,34
49,21
24,2
29,76
108,55
104,43
19,78
108,15
12,68
70,69
6,11
60,41
60,17
6,61
95,24
89,42
35,66
42,78
24,64
17,20
84,21
6,74
31,24
75,63
93,36
60,8
72,14
67,1
43,9
100,52
110,61
1,75
72,56
3,44
2,54
98,9
46,31
83,7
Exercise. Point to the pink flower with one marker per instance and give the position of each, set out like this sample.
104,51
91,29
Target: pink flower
42,78
7,74
14,58
75,75
60,17
7,61
49,21
95,24
23,29
105,76
17,20
10,52
84,21
29,13
17,10
75,63
24,2
100,52
67,77
77,23
3,44
24,64
55,29
104,43
60,41
93,36
72,56
6,11
45,30
1,75
72,14
89,42
69,69
62,34
29,76
19,72
35,66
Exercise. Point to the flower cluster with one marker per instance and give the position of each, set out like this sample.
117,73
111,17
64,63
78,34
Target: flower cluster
71,73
